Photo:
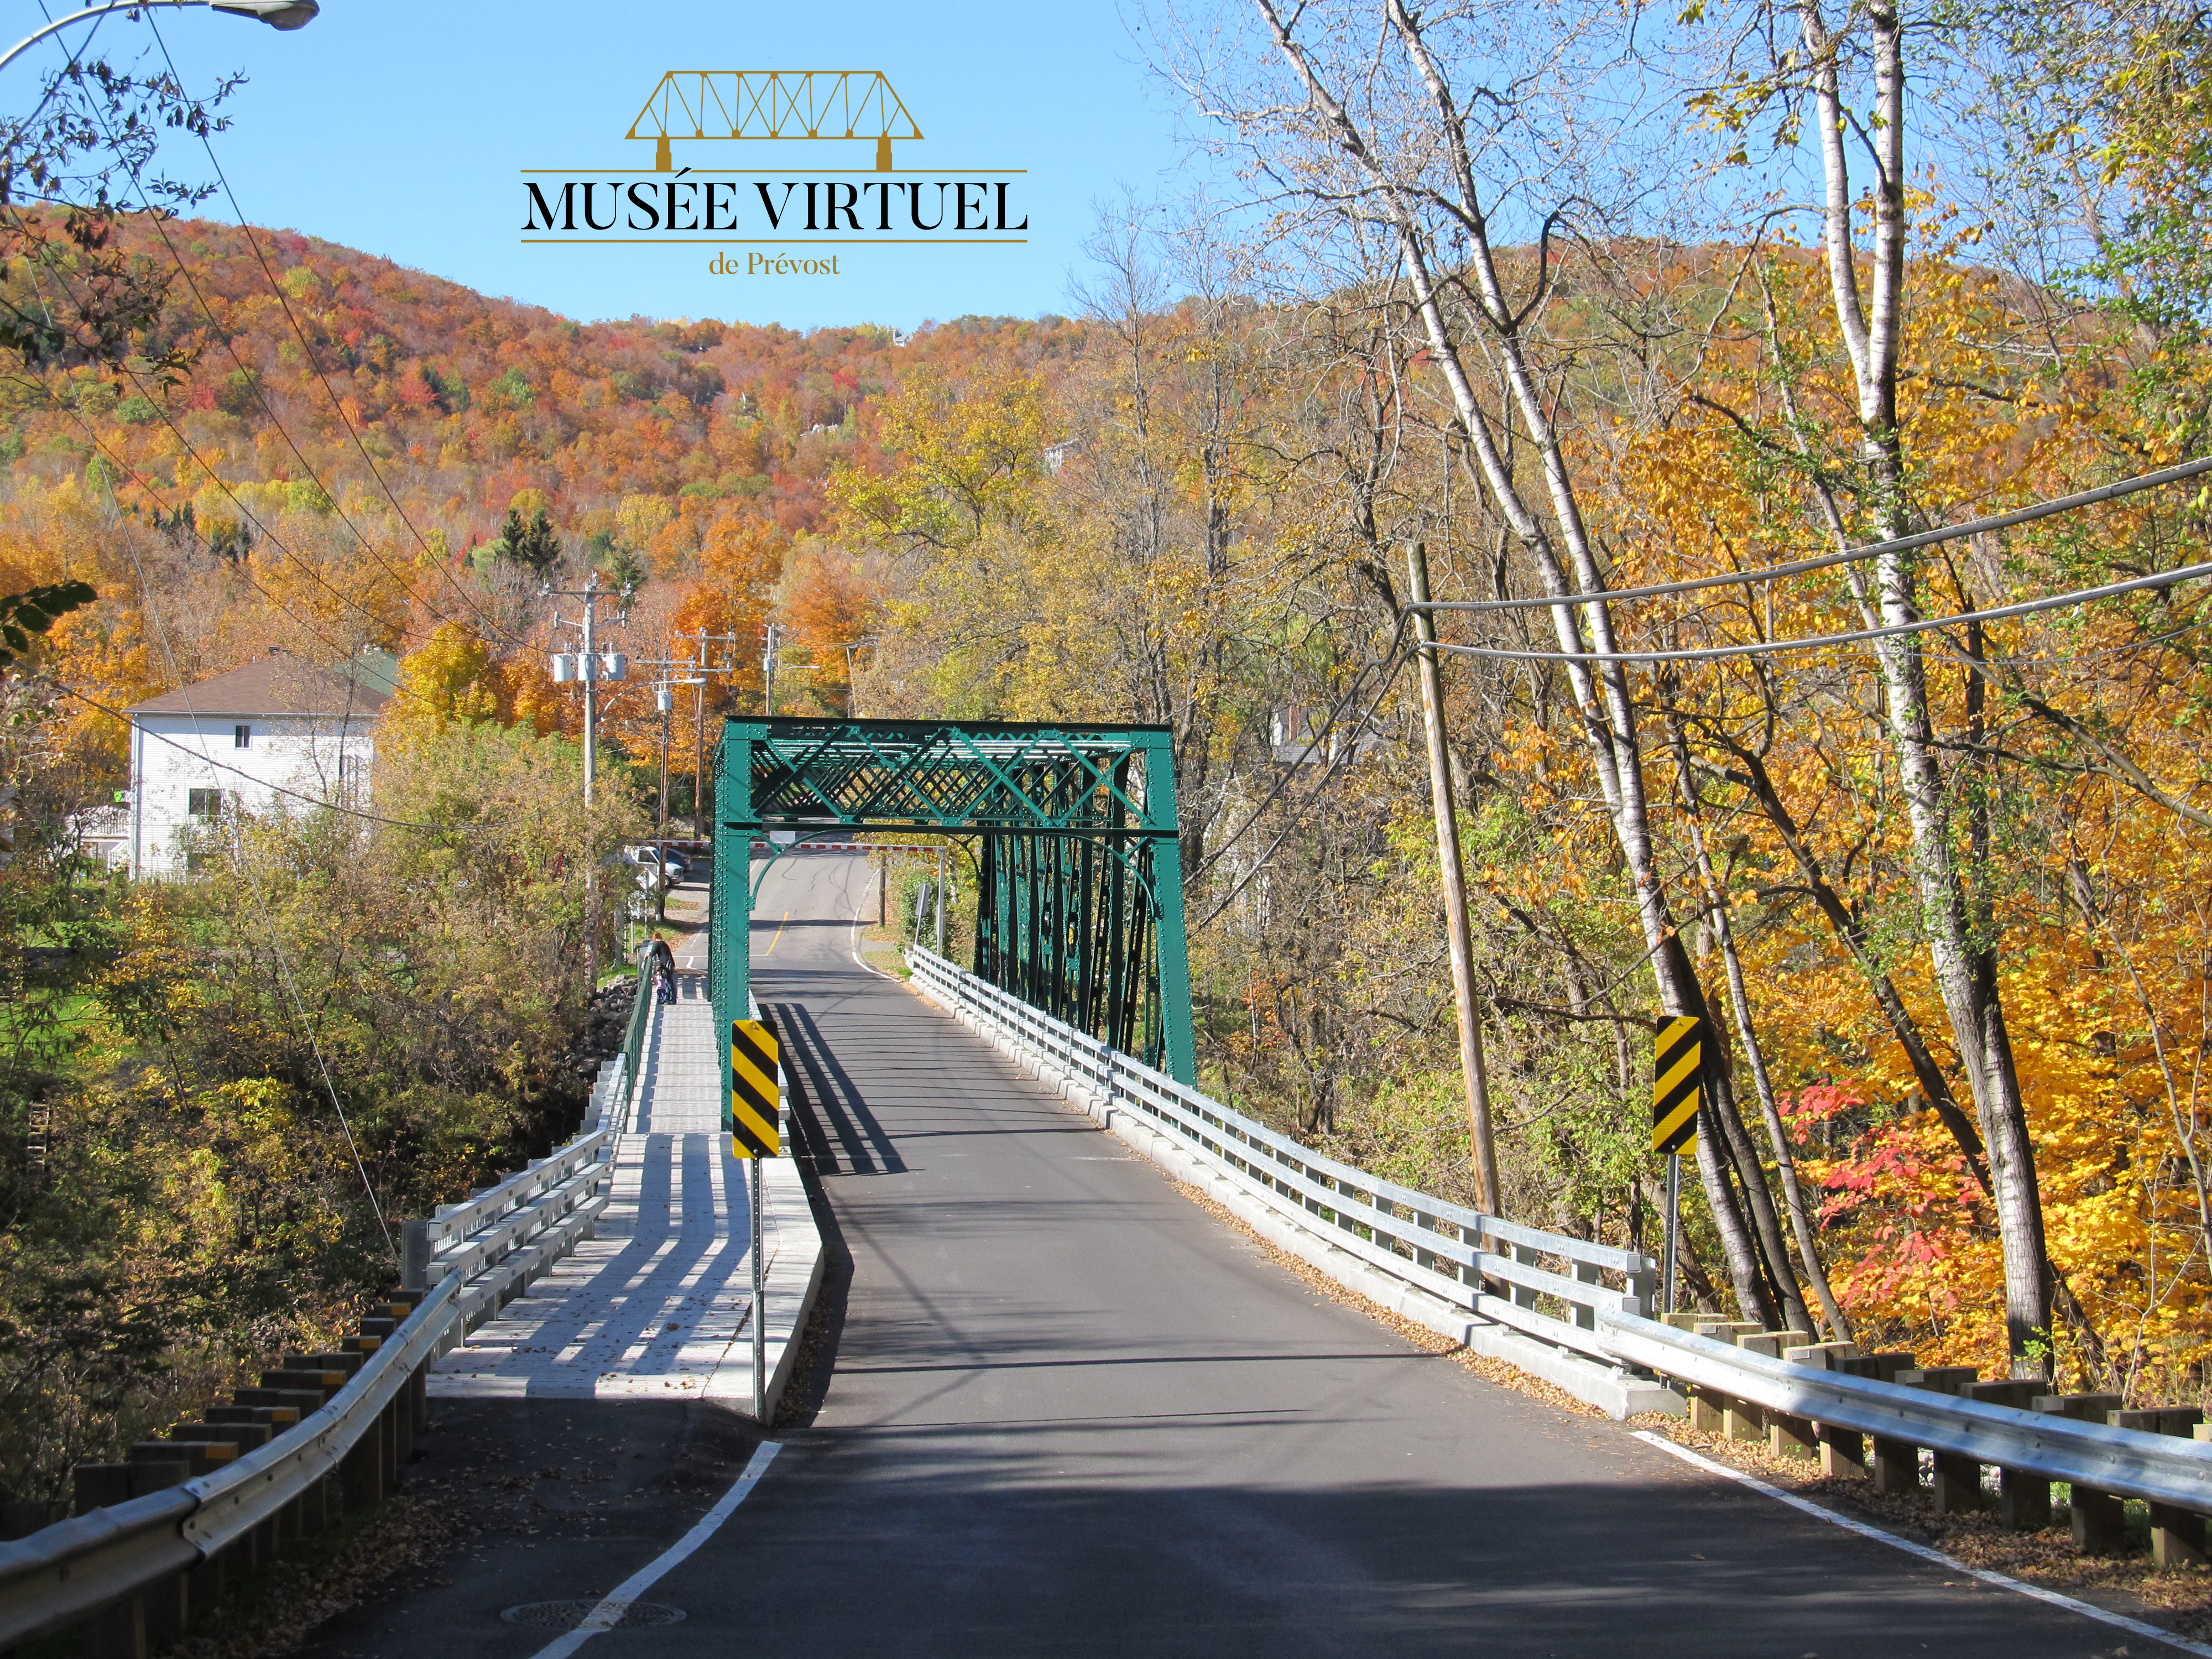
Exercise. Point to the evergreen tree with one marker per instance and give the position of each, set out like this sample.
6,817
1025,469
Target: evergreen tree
539,548
532,545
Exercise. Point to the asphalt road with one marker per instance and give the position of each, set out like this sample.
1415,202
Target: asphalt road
1060,1410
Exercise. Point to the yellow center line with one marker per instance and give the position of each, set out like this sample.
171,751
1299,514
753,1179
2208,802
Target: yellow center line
778,939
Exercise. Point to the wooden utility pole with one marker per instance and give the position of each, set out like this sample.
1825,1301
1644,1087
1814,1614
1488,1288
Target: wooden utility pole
1455,876
701,640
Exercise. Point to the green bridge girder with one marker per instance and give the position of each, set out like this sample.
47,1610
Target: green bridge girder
1079,904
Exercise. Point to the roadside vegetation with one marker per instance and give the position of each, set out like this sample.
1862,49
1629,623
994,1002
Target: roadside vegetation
1578,309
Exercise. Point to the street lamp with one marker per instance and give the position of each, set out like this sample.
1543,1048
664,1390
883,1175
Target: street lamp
277,14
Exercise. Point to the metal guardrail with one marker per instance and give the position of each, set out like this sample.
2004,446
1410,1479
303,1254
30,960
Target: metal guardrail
609,1093
245,1494
640,1017
1451,1252
466,1238
86,1567
2159,1469
1492,1269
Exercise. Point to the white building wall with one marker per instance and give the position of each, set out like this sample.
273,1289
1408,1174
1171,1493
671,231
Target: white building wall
325,759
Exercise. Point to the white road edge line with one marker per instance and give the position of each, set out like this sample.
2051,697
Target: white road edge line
609,1613
1949,1563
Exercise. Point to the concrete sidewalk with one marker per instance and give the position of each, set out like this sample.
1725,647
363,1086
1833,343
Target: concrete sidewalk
658,1302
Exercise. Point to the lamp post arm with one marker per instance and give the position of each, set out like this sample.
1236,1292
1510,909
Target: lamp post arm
33,40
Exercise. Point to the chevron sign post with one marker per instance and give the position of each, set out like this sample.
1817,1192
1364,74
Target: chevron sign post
1678,1070
755,1097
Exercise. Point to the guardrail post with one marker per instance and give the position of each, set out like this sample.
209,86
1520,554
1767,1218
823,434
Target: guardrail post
118,1630
1798,1437
1528,1257
2177,1535
95,1486
2099,1518
205,1583
1644,1287
169,1603
1957,1480
1709,1407
2023,1499
415,1254
2100,1521
1586,1272
1746,1420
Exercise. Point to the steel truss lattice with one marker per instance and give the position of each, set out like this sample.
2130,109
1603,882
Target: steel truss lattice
1079,904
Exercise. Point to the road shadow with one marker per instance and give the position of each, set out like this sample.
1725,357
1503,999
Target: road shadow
846,1139
816,1366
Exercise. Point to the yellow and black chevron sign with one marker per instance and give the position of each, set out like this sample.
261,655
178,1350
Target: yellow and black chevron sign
1678,1061
754,1095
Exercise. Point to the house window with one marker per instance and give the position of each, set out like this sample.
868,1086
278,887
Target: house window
241,736
206,803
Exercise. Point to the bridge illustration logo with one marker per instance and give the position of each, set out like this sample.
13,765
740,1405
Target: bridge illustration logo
698,192
781,104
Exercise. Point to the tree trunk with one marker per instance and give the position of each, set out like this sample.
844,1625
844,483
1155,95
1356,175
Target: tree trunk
1965,965
1716,904
1606,710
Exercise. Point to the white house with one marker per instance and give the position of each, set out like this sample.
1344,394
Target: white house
281,730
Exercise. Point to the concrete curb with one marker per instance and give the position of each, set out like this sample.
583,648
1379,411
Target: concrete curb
1618,1393
795,1274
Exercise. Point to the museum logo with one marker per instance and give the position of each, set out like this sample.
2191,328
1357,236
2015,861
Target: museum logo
854,114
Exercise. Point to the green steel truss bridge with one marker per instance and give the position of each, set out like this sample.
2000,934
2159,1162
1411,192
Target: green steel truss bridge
1079,901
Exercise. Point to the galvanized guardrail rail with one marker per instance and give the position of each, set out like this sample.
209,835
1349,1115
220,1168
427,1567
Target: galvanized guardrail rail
1870,1415
1463,1268
157,1539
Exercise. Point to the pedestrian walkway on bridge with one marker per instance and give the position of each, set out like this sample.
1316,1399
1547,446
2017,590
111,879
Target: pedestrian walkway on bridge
659,1302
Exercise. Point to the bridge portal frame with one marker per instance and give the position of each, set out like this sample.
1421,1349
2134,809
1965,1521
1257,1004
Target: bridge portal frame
1079,905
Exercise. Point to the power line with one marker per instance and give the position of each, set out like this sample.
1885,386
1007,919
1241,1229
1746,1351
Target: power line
209,760
1394,663
261,397
307,349
251,517
178,432
161,230
1351,693
1849,555
261,904
1712,654
400,688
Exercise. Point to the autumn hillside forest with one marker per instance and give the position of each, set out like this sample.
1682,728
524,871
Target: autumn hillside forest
1578,308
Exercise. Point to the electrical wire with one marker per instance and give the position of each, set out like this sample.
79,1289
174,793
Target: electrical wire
312,800
1394,664
261,904
191,282
177,432
307,349
239,568
1351,693
1849,555
1819,642
155,217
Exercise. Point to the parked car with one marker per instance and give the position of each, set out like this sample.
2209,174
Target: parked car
656,863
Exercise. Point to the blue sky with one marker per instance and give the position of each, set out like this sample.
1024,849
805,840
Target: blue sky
400,126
